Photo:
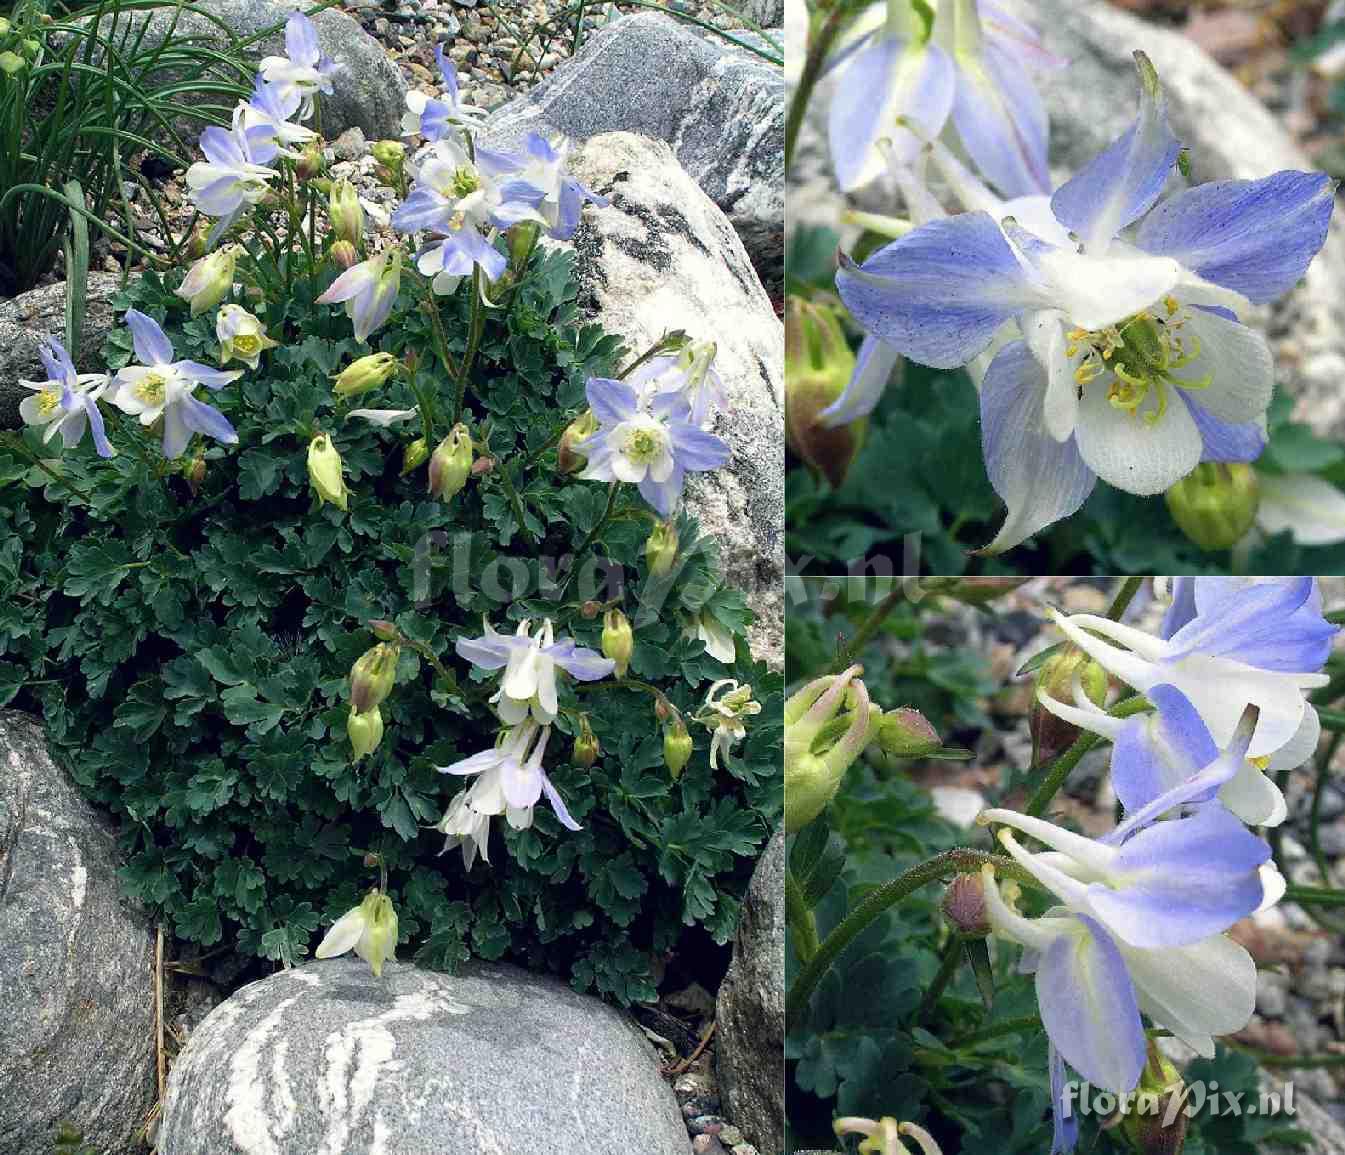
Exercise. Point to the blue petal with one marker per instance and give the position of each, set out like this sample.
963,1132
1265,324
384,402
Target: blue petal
1153,754
1183,607
1122,182
1002,124
611,401
1253,236
1040,479
100,441
207,420
697,451
939,293
663,495
1064,1123
580,662
1260,625
151,346
1225,440
301,39
423,208
873,370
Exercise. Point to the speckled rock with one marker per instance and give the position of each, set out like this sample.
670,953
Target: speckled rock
1230,135
720,107
28,318
663,257
75,964
751,1011
327,1060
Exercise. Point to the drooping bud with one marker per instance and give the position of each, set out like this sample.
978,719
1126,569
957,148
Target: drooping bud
816,754
905,733
451,464
11,63
210,279
310,163
391,156
365,732
195,474
343,254
196,243
586,746
346,213
1056,678
818,366
482,465
415,455
522,240
568,458
384,630
1215,504
677,746
980,591
618,642
372,676
326,471
660,550
964,905
1160,1092
365,373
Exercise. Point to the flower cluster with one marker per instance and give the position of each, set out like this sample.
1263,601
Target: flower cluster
1141,915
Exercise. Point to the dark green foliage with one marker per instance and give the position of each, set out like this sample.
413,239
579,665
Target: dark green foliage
191,655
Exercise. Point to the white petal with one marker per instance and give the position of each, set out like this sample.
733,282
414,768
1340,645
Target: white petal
1311,508
345,933
1095,292
1239,360
1045,334
1131,452
1205,989
1253,797
1301,746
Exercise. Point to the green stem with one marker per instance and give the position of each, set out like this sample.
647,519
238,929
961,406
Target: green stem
1124,596
952,955
846,655
801,920
1332,719
1316,895
819,44
475,325
1060,769
959,860
16,439
997,1031
516,504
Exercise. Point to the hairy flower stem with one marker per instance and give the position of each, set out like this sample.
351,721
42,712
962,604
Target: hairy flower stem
959,860
846,656
801,920
1060,769
820,40
476,323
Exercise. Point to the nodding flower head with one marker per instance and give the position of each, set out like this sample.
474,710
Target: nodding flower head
370,928
827,725
728,703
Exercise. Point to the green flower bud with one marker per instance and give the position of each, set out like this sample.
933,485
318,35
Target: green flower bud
325,471
568,459
367,372
816,756
30,48
586,746
365,732
660,550
384,630
451,464
1215,504
1145,1122
310,163
345,212
818,366
677,746
522,240
372,676
1056,679
389,153
905,733
11,63
4,26
343,254
618,642
980,591
415,455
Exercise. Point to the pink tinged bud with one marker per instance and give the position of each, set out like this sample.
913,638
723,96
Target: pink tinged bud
906,733
818,366
384,630
451,464
343,254
372,676
815,761
964,905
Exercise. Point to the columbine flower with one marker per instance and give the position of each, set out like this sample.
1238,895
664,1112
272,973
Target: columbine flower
465,827
529,662
1133,367
905,80
369,291
1309,507
305,69
210,279
437,117
724,715
563,197
234,174
241,336
883,1136
690,375
160,387
512,779
812,776
271,111
1260,645
66,402
652,446
718,641
371,928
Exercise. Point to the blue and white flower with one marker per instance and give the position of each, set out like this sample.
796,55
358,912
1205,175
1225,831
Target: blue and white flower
690,375
160,387
1132,365
270,114
653,445
66,402
902,81
435,117
563,197
305,70
234,175
530,660
368,291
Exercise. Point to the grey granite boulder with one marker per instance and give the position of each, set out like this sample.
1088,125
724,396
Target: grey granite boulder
663,257
751,1011
328,1060
77,1048
720,107
26,319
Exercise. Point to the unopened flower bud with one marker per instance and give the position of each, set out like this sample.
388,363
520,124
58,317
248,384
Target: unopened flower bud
964,905
980,591
343,254
389,153
365,373
11,63
371,928
415,455
196,243
660,550
662,708
568,458
590,610
1215,504
384,630
677,746
905,733
482,465
816,755
586,747
210,279
310,163
4,26
1056,679
345,212
818,366
372,676
365,732
1146,1122
451,464
618,642
522,240
326,471
195,474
